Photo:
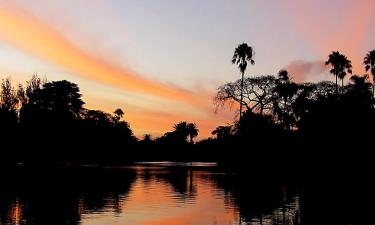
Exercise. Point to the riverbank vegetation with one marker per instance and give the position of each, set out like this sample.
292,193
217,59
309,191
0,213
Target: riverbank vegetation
279,120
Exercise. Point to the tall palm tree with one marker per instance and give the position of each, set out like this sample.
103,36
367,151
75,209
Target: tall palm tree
193,131
243,55
340,66
369,63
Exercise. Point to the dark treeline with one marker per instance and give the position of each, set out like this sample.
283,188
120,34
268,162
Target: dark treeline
283,122
47,121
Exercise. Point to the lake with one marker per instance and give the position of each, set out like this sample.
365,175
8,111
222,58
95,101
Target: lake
164,193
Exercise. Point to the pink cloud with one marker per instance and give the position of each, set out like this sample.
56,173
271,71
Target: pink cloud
305,71
331,26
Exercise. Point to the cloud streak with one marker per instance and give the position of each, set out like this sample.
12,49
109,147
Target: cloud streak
33,36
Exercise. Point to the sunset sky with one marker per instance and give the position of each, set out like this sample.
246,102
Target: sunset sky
162,60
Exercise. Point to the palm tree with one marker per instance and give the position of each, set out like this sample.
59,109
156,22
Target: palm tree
360,81
222,132
118,114
193,131
369,63
242,55
181,130
340,66
184,130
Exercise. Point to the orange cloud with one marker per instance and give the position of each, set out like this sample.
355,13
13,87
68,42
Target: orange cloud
33,36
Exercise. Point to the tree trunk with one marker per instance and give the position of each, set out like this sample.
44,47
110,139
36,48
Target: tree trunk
342,86
337,90
241,96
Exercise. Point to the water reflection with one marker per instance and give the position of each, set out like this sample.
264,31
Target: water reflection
151,194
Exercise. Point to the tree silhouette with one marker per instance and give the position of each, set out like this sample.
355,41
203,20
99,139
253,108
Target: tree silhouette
8,96
340,66
62,96
222,132
369,62
193,131
118,114
285,90
242,55
147,138
258,93
181,132
54,103
21,95
360,87
8,106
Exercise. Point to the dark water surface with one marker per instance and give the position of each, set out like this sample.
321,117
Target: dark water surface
175,193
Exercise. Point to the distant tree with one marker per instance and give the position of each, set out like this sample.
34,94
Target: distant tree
308,94
21,95
242,55
57,102
257,127
118,114
361,88
8,96
222,132
285,90
181,130
8,106
147,138
62,96
180,134
33,87
98,119
123,132
340,66
105,126
369,62
193,131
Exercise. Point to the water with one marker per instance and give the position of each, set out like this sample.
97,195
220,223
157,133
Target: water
163,194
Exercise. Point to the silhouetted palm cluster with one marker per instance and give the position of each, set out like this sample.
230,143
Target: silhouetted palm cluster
281,114
182,132
177,144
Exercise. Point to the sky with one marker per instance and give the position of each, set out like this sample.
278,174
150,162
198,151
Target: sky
161,61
